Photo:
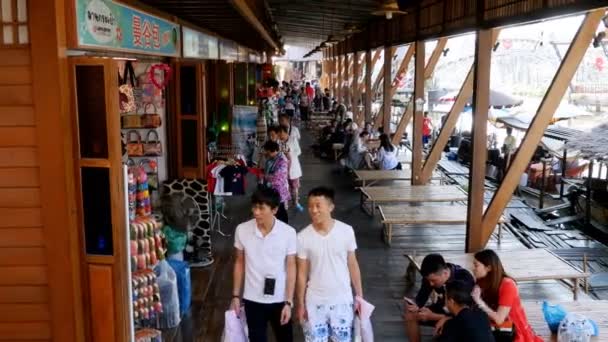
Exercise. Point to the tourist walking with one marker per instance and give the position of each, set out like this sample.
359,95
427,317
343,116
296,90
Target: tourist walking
327,266
265,269
276,175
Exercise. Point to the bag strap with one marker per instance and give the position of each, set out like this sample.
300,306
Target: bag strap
129,74
150,133
130,134
146,108
121,80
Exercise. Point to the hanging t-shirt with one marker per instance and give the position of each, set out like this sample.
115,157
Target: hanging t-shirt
234,179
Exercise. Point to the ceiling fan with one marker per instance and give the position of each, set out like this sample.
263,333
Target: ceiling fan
388,8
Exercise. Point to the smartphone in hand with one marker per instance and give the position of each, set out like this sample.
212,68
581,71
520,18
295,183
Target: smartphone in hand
409,301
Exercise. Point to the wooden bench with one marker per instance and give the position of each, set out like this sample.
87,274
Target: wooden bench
337,149
410,194
596,310
432,214
522,265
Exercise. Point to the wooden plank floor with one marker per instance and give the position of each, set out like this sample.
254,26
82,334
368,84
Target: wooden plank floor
383,268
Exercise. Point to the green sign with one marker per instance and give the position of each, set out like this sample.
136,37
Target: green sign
108,24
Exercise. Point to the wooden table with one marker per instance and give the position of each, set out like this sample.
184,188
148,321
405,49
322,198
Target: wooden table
596,310
522,265
410,194
435,214
369,177
453,168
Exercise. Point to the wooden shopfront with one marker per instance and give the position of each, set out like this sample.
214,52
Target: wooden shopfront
114,45
40,286
64,227
64,262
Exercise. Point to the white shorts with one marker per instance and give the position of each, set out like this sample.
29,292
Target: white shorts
329,323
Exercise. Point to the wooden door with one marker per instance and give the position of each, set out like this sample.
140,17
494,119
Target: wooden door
100,192
190,119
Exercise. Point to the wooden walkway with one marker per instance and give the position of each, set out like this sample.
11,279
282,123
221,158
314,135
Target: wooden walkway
383,269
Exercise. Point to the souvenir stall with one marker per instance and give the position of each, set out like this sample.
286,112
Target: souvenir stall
119,75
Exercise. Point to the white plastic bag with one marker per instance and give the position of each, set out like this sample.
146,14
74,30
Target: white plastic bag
357,327
235,328
167,283
364,321
575,328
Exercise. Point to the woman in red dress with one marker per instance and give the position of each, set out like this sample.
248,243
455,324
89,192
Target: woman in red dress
497,295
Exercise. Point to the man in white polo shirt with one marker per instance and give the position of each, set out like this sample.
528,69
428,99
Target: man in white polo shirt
327,265
266,259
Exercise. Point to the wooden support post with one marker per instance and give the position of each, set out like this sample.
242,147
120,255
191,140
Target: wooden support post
339,85
346,81
363,87
330,74
543,117
428,72
481,106
356,99
387,98
402,70
369,67
418,112
448,126
334,71
380,75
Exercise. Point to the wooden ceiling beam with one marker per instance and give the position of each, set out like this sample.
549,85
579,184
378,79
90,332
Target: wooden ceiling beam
243,8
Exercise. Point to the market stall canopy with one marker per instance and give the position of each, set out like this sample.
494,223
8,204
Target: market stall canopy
497,99
522,117
593,143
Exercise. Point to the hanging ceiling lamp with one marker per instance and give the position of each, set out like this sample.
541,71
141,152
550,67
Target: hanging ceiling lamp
388,9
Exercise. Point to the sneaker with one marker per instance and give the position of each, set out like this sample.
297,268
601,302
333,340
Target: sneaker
299,207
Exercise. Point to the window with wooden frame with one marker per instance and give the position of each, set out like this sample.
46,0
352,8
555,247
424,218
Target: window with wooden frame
13,23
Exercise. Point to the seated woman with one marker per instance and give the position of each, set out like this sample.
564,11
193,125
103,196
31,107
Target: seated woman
387,155
358,153
497,295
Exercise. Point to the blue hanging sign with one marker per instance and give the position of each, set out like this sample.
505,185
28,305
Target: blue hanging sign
108,24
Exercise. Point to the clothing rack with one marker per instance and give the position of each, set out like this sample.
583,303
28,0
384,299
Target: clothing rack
224,151
217,202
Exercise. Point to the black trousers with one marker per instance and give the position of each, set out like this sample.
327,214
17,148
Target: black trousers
282,213
258,316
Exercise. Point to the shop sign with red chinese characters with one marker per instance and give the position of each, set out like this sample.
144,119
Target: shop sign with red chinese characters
110,25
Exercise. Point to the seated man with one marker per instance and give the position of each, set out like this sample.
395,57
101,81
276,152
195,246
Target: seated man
436,274
468,324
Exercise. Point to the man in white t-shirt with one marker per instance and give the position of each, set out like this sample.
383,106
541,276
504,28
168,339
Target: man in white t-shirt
327,266
266,259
